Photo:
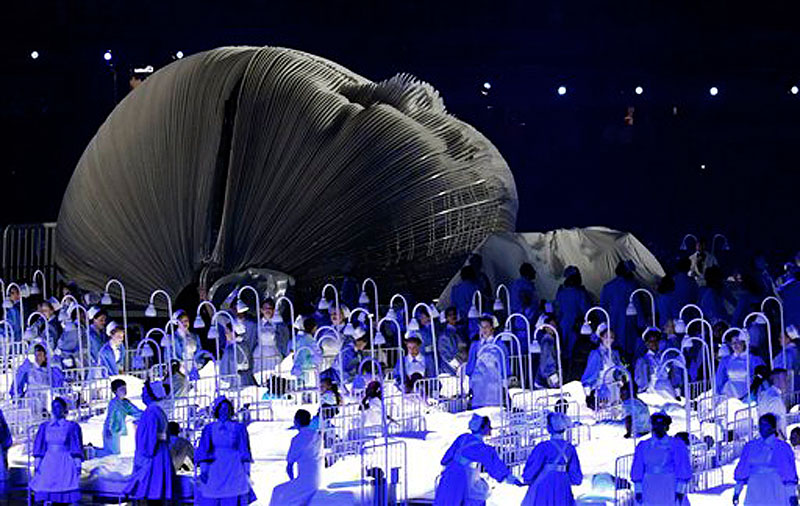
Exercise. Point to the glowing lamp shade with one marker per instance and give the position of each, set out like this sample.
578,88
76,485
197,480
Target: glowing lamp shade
639,90
535,346
794,90
761,320
379,339
713,91
35,289
442,318
30,334
686,343
391,314
413,325
107,56
198,322
434,312
241,307
150,312
34,55
323,304
179,55
473,312
348,329
213,332
106,299
277,318
498,305
239,328
25,291
723,351
586,329
7,304
363,298
792,332
680,326
631,310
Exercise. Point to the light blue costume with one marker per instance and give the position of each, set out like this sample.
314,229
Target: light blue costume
304,361
551,470
732,379
461,296
572,303
447,349
790,293
668,307
14,319
114,426
486,378
789,358
460,483
522,286
615,298
112,366
547,373
350,358
660,469
34,375
600,360
686,289
640,416
650,377
713,303
767,467
49,332
96,340
233,359
407,363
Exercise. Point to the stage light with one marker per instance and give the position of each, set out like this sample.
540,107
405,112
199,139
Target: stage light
702,166
107,56
34,55
794,90
562,90
639,90
487,85
179,55
713,91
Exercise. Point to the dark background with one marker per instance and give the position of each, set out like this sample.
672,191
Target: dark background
575,160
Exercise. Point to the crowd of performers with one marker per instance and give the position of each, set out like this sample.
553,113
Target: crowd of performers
573,343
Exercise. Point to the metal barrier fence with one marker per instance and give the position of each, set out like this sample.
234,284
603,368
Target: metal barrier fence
445,393
623,490
384,473
28,248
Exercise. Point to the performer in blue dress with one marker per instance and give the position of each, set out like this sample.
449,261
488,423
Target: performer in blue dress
119,408
224,458
552,468
58,453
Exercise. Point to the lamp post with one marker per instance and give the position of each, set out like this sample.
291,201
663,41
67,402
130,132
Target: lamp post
725,244
277,318
557,339
532,342
509,336
323,302
704,324
338,343
680,325
475,311
681,362
624,372
780,312
761,319
151,313
586,328
213,333
391,313
364,295
35,287
167,363
684,246
631,309
106,301
433,334
72,309
498,302
399,331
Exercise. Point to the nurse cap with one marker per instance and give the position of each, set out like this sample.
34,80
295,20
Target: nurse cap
476,422
55,303
111,327
92,312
